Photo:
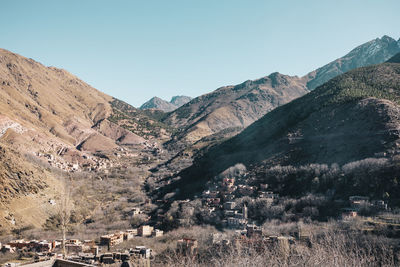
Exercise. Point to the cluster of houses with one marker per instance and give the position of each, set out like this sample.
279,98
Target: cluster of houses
222,196
41,246
58,162
139,256
72,246
235,218
358,203
90,163
85,161
87,250
119,237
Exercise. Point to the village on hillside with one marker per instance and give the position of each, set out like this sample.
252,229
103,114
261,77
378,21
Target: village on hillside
280,145
219,199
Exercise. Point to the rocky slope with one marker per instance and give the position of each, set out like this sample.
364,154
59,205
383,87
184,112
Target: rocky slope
351,119
63,108
49,117
163,105
372,52
43,98
17,177
25,189
52,102
49,113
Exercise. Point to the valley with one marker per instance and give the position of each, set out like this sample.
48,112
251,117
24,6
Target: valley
269,169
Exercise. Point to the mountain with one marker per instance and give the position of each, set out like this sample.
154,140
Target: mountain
49,116
53,123
373,52
54,103
343,135
60,106
158,103
180,100
234,107
145,123
45,97
229,109
163,105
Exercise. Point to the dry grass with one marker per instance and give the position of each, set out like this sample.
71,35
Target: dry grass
331,249
330,245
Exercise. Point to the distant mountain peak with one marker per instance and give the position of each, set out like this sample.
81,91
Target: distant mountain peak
373,52
156,98
163,105
180,100
387,38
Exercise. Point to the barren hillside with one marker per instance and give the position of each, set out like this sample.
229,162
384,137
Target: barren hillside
50,118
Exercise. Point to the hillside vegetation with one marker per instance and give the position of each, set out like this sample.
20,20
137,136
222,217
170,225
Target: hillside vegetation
349,119
230,109
145,123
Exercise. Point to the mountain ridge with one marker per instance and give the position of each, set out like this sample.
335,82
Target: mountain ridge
234,106
211,113
351,118
45,110
373,52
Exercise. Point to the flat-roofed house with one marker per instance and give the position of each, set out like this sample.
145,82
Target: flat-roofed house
145,230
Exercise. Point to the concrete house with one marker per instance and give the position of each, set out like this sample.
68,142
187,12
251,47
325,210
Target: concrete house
145,230
111,239
157,233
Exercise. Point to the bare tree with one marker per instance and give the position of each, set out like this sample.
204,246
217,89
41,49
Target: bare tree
64,214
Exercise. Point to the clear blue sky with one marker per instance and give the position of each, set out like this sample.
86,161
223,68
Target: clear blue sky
134,50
